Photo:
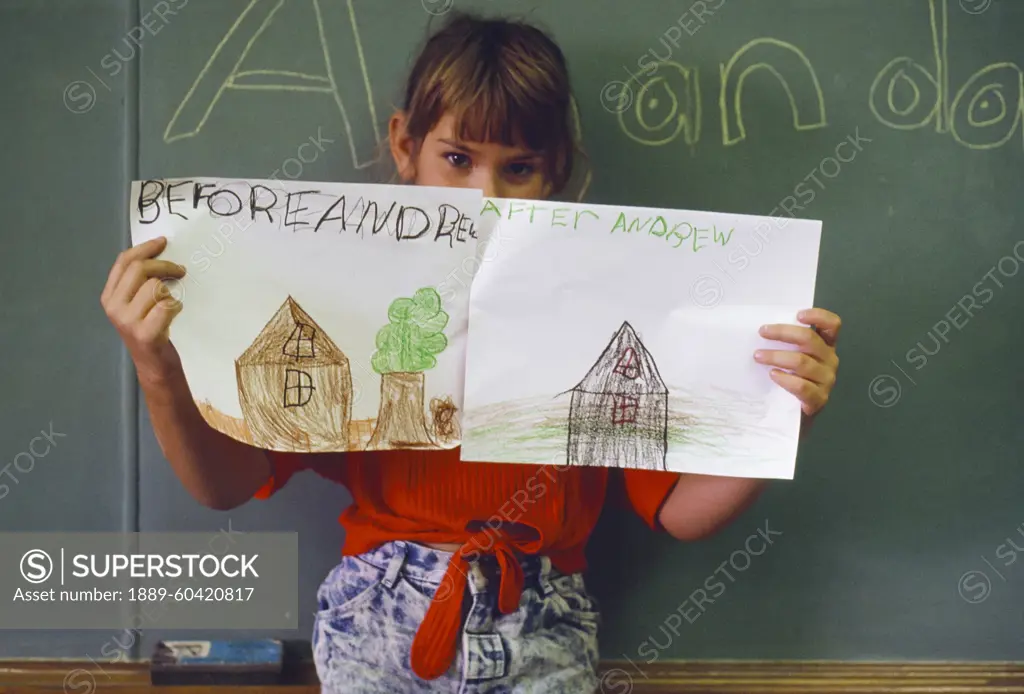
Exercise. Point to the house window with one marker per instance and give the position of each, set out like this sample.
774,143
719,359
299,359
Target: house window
624,408
627,364
298,388
300,343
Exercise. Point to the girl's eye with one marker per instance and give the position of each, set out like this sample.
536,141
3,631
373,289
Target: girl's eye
521,169
457,159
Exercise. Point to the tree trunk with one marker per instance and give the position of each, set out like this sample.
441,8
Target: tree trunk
401,422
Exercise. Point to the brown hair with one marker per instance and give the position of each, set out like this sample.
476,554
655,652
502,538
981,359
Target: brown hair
503,81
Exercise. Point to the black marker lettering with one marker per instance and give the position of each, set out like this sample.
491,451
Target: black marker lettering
254,208
325,218
360,209
453,218
379,224
460,232
400,235
170,189
197,194
153,201
288,211
218,213
371,205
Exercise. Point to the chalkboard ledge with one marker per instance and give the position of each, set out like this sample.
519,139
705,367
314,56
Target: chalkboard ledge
707,677
812,677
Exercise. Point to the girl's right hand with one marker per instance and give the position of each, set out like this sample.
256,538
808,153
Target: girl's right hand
141,307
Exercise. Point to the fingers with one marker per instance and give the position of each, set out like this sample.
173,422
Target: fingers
155,325
806,339
140,305
811,395
800,364
143,251
154,292
827,323
808,372
136,274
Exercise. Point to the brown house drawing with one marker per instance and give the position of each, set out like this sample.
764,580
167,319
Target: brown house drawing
294,385
619,411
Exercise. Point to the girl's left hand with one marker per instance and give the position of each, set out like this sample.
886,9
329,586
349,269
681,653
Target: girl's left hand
810,371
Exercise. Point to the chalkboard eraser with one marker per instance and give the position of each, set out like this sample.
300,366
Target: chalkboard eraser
213,663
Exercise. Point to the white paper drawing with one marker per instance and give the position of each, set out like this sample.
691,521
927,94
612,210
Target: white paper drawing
316,316
624,337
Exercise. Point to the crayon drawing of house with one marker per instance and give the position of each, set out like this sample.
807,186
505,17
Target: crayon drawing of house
618,416
294,385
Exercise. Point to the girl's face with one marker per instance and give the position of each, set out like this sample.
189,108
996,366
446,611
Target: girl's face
444,160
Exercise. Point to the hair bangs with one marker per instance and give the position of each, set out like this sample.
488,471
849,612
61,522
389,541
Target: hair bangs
495,112
502,82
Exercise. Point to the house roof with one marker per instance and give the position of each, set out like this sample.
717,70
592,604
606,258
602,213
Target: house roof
268,347
602,377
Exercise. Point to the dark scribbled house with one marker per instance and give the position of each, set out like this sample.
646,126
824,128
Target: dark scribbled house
619,411
294,385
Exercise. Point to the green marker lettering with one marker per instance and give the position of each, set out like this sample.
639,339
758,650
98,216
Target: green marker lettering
682,237
723,238
664,227
554,217
512,209
488,204
696,238
577,223
636,224
621,221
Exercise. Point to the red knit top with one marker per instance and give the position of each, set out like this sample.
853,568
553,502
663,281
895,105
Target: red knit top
487,508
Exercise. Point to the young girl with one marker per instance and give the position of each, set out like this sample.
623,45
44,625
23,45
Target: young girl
454,577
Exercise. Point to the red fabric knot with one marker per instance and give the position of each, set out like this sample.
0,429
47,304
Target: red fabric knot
436,641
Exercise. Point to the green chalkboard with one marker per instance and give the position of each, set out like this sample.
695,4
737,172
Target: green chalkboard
64,157
899,124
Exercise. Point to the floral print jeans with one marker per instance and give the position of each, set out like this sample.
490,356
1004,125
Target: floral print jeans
371,605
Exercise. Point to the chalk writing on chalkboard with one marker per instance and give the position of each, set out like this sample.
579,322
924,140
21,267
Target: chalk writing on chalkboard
668,100
225,70
667,105
984,113
789,65
577,128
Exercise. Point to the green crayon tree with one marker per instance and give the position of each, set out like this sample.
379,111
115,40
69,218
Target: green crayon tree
406,347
